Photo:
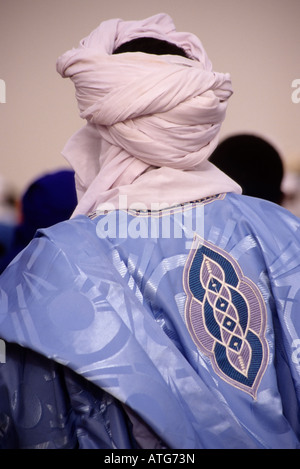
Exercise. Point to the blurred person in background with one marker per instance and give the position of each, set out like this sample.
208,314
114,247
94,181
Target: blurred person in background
291,189
254,163
8,216
165,313
49,199
8,202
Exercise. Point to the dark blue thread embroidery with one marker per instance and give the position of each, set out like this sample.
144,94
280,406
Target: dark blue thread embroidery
226,316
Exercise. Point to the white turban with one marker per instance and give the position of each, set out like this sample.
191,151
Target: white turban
152,120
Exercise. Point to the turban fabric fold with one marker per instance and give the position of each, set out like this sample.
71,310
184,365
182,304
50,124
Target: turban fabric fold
152,121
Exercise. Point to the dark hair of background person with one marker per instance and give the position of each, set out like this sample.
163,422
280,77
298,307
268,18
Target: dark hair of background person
253,163
150,45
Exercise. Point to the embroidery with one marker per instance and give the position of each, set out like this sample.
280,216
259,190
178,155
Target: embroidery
226,316
162,211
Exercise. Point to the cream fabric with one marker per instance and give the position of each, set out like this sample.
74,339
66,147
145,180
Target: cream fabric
152,121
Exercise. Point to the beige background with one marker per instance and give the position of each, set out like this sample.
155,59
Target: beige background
257,41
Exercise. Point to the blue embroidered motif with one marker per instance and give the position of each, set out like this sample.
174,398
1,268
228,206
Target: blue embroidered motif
226,316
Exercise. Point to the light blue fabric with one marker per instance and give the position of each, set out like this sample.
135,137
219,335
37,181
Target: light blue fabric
129,306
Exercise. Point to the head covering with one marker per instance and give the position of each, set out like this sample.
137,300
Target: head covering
152,121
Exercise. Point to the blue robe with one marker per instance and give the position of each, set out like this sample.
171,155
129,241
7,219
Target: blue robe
176,328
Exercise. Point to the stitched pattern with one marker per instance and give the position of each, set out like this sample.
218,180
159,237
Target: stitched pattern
226,316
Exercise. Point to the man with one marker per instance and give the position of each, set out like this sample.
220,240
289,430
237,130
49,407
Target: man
164,314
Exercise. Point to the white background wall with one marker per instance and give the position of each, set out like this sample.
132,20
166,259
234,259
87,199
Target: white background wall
257,41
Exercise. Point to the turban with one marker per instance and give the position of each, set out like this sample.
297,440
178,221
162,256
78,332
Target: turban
152,121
